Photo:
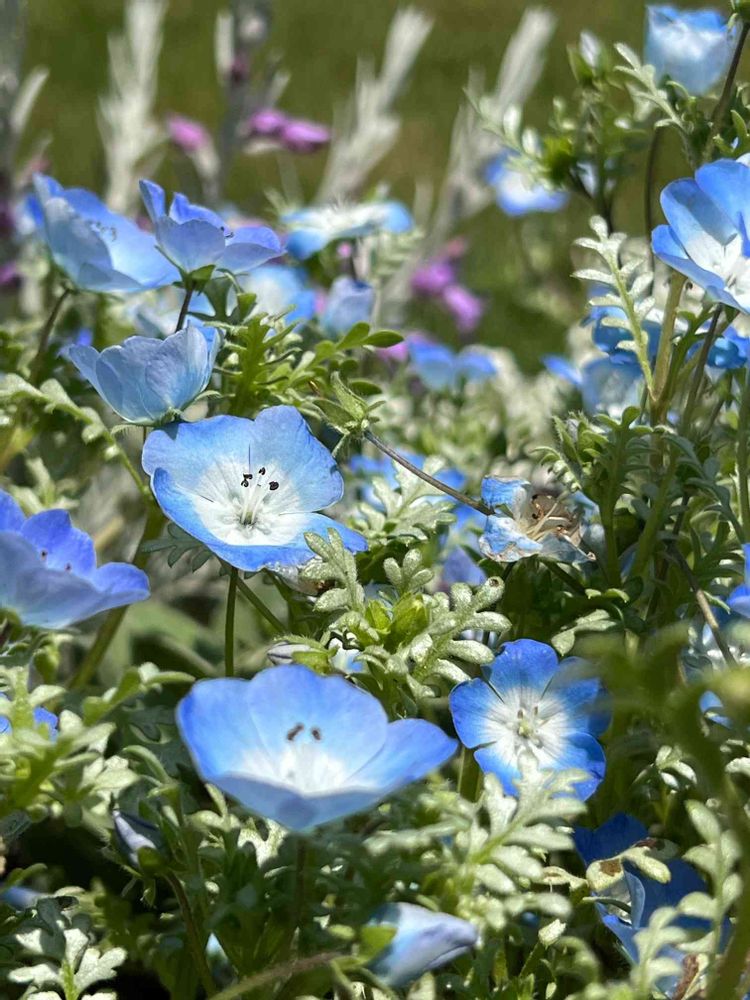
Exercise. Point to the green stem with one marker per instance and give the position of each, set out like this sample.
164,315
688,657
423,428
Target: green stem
196,945
720,112
461,497
708,342
260,607
659,402
112,622
648,187
124,460
278,973
654,520
743,431
46,332
234,575
185,305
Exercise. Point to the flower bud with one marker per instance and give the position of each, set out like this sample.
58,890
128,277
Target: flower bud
139,842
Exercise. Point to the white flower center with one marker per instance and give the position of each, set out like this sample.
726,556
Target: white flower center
528,722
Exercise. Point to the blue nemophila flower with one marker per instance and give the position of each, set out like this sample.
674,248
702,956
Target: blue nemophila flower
527,522
691,47
706,236
97,249
41,716
50,577
643,895
196,239
424,940
439,367
248,489
739,599
516,192
281,289
312,229
367,467
302,749
532,708
607,385
349,302
146,380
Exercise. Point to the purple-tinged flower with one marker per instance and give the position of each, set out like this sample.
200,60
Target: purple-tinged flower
302,749
266,122
433,277
10,277
187,133
424,940
249,490
301,136
349,302
532,709
691,47
464,306
50,578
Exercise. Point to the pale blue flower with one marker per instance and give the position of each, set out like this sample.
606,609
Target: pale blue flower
607,385
531,709
691,47
706,236
42,717
349,302
527,523
146,380
439,367
516,192
248,489
98,250
50,579
312,229
198,240
739,599
278,289
302,749
424,940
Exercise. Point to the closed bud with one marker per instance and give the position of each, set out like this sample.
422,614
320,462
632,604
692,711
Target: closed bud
138,841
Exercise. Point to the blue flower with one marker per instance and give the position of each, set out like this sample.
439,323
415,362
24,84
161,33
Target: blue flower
706,235
644,895
527,523
280,288
424,940
146,380
248,489
349,302
516,192
739,599
98,250
617,341
367,468
314,228
691,47
439,367
196,239
42,716
532,708
50,578
301,749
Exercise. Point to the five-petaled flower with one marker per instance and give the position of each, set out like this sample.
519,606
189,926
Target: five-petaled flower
97,249
197,240
526,523
424,940
532,708
146,380
50,577
691,47
302,749
248,489
517,192
311,229
439,367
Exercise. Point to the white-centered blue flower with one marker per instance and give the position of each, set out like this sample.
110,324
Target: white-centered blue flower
349,302
312,229
198,240
278,289
248,489
302,749
516,192
146,380
531,708
424,940
440,367
691,47
49,574
706,235
526,523
97,249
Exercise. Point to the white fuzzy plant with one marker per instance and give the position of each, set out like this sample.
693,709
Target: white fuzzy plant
130,132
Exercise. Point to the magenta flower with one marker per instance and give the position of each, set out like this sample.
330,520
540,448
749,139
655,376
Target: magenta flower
187,133
465,307
302,136
432,278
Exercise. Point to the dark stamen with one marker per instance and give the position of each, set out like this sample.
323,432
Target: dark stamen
262,470
68,567
294,731
246,477
316,733
273,486
44,554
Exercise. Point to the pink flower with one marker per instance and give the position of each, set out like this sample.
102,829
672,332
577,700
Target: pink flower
186,133
466,308
267,122
432,278
302,136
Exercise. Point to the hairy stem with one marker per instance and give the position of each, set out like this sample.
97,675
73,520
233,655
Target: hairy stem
46,332
260,606
189,287
196,945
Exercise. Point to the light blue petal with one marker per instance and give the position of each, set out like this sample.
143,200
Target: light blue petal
504,542
511,494
619,833
153,199
190,245
11,515
412,749
583,753
61,545
303,243
727,184
349,302
562,368
423,941
250,247
526,664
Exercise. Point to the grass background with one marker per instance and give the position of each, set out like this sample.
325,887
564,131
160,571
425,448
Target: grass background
320,41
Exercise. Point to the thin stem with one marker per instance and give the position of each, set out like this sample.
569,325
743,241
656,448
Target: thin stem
125,462
234,576
260,607
664,353
743,431
197,947
46,333
278,973
461,497
648,187
298,910
708,343
189,287
112,622
720,111
702,601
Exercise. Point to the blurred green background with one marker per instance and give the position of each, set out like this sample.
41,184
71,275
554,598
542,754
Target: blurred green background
319,41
